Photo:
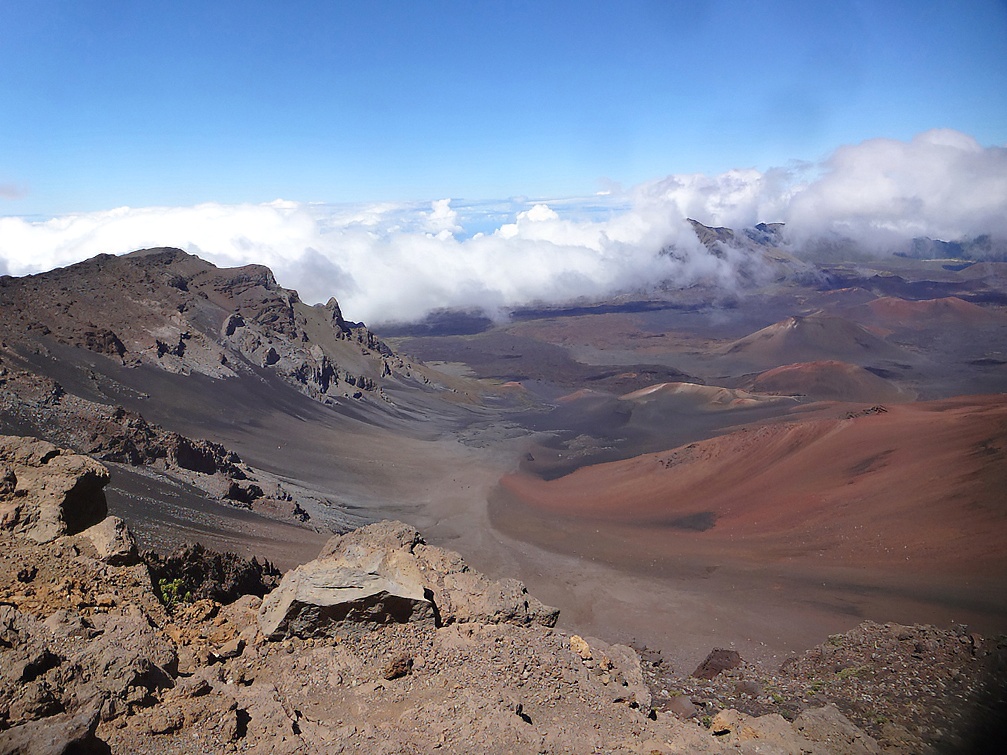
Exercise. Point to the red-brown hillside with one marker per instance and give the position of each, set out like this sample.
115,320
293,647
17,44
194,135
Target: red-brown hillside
828,380
949,309
810,338
919,485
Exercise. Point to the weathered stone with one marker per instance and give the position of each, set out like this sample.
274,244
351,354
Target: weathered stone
681,707
231,649
718,660
579,645
130,659
318,598
164,720
113,541
384,573
398,667
830,728
55,492
55,735
470,596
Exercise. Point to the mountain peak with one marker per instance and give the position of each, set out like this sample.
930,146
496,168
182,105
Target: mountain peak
172,310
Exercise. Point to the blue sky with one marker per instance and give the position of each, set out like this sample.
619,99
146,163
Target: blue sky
106,104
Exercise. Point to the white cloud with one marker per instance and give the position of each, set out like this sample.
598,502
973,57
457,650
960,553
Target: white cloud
442,220
941,184
391,261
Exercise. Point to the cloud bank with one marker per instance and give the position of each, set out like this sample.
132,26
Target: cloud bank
397,262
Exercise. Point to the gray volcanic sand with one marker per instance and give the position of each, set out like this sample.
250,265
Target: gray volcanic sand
164,515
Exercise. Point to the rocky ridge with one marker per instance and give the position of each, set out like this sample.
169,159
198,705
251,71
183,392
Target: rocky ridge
759,255
34,404
171,310
94,656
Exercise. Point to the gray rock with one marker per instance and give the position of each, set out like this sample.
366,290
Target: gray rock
385,573
47,491
322,597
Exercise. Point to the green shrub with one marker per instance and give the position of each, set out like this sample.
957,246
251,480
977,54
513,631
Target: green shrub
173,592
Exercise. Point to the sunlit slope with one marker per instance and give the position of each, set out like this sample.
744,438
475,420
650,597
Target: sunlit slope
914,481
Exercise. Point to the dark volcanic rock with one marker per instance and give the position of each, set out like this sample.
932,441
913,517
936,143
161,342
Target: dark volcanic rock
717,661
206,574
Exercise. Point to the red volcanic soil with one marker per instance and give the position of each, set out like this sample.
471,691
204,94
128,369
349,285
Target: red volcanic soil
827,380
948,310
810,338
916,489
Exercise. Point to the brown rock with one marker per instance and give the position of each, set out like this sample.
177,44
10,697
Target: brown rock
681,706
579,645
113,541
321,597
55,492
55,735
398,667
231,649
717,661
164,720
829,727
384,574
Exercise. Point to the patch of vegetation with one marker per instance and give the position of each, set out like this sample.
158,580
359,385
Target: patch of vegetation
172,592
209,575
849,671
836,640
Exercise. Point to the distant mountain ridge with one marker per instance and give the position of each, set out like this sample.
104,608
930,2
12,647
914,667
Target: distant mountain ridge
174,311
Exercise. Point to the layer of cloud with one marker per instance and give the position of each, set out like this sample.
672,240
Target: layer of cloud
394,262
942,184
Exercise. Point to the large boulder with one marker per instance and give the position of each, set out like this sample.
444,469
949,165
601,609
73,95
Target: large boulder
385,573
46,492
322,597
113,542
56,735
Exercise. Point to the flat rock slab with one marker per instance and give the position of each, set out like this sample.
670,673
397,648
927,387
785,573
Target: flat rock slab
323,597
384,573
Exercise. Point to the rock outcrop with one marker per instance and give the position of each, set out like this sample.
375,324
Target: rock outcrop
41,406
100,654
171,310
113,542
384,573
46,491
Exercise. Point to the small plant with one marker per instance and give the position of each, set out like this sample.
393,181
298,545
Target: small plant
173,592
817,685
707,721
777,698
849,671
835,640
